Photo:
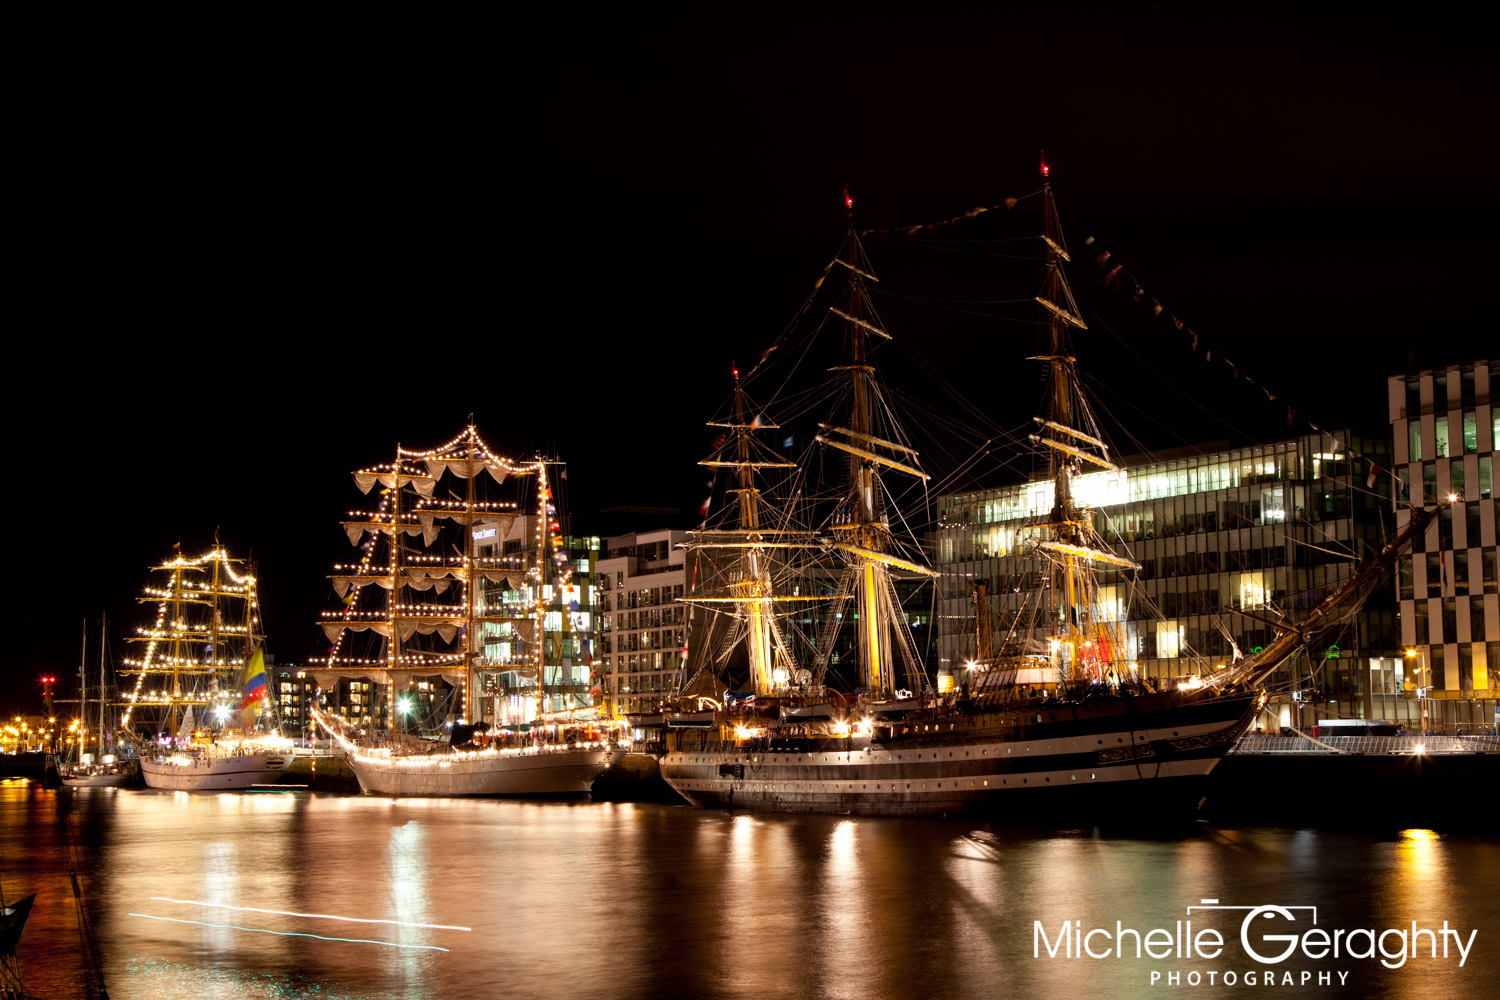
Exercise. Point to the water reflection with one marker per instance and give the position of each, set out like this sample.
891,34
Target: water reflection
618,900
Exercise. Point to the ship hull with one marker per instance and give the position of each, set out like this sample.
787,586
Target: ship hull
114,780
1136,760
559,773
218,774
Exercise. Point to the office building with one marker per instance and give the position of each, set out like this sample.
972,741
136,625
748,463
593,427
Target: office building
1444,426
1230,541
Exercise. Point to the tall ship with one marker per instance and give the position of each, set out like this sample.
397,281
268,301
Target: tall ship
198,709
92,761
459,634
1050,722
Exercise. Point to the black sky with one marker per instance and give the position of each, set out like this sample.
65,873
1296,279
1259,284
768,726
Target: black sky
252,257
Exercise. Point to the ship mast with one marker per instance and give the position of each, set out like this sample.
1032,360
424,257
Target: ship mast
863,536
1070,527
759,528
1064,522
83,687
393,595
103,632
471,584
873,647
755,585
543,543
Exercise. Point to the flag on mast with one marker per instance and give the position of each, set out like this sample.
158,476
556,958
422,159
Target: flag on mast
255,688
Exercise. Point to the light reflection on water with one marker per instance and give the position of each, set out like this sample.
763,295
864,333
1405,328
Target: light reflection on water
602,900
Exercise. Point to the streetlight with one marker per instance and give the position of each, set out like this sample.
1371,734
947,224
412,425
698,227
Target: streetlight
1419,669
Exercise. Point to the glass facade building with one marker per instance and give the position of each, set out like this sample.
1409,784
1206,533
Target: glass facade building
1229,541
1444,425
505,674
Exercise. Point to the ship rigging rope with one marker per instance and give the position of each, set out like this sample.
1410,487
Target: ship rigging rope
942,304
938,245
1140,447
988,239
1319,548
1158,373
1291,410
1353,486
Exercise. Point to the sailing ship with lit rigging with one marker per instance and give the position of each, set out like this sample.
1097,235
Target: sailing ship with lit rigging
1051,723
452,592
200,681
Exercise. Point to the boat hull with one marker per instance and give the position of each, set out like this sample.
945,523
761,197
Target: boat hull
114,780
1117,763
559,772
217,774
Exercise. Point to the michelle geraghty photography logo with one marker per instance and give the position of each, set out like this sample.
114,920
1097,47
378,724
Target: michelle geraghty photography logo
1267,935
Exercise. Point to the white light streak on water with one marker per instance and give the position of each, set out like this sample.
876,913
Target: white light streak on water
262,930
311,916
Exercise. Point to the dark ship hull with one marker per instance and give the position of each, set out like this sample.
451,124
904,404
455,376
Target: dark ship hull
1126,760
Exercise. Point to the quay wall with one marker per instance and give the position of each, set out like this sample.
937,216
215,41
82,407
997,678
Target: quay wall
1376,788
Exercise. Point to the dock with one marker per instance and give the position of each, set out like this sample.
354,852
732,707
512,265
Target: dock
1369,782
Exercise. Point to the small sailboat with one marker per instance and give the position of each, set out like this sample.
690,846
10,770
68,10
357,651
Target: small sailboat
101,766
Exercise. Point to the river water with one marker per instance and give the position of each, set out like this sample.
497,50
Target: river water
597,900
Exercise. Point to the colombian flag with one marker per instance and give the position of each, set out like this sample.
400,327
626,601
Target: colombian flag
255,688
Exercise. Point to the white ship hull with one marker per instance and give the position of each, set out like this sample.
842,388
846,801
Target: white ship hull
214,774
111,780
1097,765
560,771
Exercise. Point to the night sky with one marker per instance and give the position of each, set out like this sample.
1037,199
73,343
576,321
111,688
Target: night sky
250,259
